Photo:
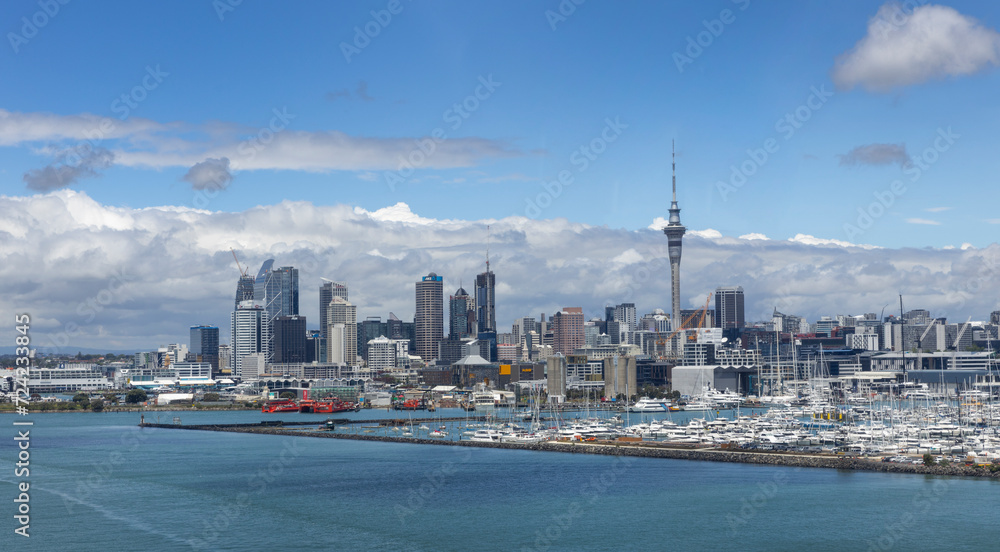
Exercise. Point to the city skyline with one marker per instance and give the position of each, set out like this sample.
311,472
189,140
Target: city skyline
830,183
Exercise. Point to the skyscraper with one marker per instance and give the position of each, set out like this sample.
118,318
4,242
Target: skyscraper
486,320
244,290
459,310
205,345
674,231
250,327
429,316
729,307
327,292
342,324
289,339
277,290
567,330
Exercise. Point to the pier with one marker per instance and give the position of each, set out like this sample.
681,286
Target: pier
641,449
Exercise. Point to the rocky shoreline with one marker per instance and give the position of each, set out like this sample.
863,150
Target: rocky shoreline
636,449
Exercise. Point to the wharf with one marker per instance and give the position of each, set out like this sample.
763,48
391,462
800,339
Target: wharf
616,448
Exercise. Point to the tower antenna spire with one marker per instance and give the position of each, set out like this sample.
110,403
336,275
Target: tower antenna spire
487,248
673,167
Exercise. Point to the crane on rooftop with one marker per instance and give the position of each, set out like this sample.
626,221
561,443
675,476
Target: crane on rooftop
243,271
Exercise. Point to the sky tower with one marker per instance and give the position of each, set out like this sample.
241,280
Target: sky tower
674,231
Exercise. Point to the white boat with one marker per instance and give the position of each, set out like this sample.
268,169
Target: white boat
486,436
647,404
483,401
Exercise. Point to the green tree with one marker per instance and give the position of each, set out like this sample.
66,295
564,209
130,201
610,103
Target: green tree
111,398
136,396
210,397
81,398
929,459
97,406
287,395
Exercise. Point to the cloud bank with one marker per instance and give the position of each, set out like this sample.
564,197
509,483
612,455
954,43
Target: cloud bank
92,275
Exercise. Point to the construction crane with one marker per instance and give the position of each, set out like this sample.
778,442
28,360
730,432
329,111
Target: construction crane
961,332
684,324
243,271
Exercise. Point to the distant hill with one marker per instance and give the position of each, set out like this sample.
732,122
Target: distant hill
70,350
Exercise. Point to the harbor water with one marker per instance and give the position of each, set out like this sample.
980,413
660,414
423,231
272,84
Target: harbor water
98,482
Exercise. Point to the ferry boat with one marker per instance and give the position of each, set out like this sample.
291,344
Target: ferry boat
280,405
647,404
483,401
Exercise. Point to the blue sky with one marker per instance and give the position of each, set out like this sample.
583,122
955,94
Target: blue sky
557,87
157,136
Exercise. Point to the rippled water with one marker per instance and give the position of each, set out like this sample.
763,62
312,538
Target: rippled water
100,483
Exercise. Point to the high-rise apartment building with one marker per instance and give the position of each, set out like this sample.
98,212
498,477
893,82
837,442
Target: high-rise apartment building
429,315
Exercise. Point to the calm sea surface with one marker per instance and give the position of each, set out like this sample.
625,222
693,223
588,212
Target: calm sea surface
100,483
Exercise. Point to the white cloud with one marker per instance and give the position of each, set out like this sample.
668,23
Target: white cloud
708,233
658,223
276,145
65,257
966,246
813,240
923,221
904,47
937,209
629,256
754,236
400,212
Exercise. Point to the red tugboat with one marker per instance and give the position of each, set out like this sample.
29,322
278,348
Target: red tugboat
409,404
331,406
281,405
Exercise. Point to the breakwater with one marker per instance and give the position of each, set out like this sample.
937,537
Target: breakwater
627,448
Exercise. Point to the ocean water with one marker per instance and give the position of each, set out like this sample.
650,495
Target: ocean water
98,482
